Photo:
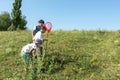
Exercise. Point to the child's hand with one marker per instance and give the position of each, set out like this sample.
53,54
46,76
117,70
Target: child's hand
46,39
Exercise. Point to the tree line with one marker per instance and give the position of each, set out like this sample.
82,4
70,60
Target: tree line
15,20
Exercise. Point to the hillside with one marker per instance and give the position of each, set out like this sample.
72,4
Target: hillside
71,55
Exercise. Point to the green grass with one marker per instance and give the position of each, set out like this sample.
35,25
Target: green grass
71,55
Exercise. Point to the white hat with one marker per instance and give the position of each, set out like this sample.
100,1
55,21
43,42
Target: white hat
38,41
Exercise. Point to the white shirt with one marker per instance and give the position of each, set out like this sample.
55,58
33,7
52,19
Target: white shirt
28,47
38,35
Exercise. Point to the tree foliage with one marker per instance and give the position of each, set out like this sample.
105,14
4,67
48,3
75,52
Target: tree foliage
18,21
5,21
15,21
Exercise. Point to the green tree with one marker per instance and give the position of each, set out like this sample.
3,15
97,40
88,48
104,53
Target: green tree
23,23
5,21
18,21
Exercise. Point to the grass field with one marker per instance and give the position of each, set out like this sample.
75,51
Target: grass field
71,55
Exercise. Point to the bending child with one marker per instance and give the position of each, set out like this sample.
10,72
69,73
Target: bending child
28,51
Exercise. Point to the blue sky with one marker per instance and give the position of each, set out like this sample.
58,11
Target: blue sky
70,14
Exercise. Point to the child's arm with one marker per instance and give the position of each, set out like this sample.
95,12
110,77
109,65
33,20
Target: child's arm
33,34
46,39
31,52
